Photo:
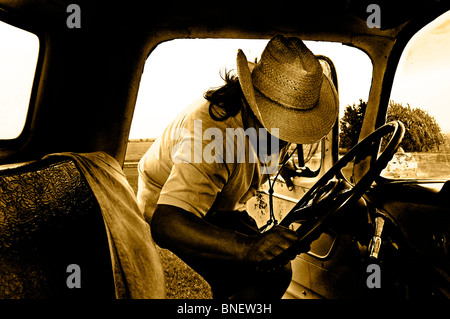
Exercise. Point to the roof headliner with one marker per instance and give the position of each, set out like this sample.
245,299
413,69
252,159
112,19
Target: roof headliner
324,20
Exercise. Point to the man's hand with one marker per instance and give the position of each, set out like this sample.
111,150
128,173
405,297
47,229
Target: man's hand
270,244
288,172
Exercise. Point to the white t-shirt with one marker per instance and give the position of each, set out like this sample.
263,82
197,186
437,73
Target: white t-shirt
198,162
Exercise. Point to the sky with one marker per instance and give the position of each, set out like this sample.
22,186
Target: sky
180,71
422,79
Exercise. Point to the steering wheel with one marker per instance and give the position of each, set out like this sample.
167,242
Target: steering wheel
332,192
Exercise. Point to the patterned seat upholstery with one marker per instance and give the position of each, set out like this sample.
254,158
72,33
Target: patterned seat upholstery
50,219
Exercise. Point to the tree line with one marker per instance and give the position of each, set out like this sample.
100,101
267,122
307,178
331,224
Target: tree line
422,132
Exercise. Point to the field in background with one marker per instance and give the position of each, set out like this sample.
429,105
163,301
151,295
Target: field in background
181,281
137,148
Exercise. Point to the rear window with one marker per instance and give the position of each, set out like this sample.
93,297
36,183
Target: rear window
19,51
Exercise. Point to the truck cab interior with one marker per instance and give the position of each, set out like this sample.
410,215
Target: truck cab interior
84,65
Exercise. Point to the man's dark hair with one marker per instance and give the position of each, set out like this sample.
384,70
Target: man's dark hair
227,100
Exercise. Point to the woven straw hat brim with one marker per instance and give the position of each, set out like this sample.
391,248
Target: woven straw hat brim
294,125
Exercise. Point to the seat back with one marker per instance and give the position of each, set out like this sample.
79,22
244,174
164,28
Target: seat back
49,220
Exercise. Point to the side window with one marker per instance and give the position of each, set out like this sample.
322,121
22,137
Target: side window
19,51
420,99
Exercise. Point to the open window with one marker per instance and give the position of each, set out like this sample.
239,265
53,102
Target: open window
179,71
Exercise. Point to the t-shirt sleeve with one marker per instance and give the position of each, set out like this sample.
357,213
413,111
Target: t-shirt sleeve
194,185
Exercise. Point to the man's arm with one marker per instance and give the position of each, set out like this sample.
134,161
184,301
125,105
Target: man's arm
186,234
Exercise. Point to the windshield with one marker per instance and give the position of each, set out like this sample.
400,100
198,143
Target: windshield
420,99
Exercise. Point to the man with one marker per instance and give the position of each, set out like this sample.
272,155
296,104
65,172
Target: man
197,177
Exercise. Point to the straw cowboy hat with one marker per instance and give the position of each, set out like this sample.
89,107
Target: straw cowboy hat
288,90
